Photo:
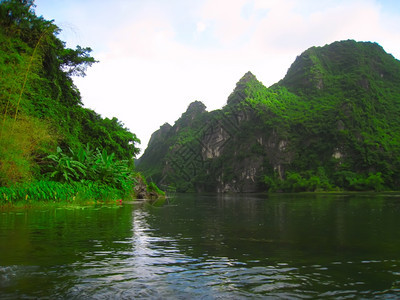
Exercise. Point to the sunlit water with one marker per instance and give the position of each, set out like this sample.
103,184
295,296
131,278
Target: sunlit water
206,247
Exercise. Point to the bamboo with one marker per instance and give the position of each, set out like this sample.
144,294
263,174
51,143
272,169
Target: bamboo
27,73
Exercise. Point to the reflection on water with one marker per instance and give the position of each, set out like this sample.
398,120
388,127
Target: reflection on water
208,247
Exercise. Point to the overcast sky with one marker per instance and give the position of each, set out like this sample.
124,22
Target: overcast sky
157,56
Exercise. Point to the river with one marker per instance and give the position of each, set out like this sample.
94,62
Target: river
288,246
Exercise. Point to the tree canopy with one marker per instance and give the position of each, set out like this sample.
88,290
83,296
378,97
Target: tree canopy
41,108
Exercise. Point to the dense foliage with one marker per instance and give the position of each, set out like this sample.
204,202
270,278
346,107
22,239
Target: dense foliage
331,123
45,131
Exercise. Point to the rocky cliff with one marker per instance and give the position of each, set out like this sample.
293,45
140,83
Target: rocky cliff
332,122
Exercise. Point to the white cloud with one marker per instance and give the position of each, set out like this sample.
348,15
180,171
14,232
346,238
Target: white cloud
200,26
229,22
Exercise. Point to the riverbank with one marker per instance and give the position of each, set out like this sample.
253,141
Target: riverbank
74,193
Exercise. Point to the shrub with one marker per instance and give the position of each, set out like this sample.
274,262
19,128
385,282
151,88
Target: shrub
22,142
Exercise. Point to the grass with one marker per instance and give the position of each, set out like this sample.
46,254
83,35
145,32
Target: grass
50,192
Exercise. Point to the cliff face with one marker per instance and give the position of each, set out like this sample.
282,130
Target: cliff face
331,122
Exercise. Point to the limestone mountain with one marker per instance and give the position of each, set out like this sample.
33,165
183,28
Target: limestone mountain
330,123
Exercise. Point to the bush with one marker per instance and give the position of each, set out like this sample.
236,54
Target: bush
152,187
22,142
375,182
90,165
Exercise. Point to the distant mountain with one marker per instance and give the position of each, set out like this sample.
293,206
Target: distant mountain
331,123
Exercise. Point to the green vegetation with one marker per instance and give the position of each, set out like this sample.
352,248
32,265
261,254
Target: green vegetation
45,132
331,124
90,165
57,192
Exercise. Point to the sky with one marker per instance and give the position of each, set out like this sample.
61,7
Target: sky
157,56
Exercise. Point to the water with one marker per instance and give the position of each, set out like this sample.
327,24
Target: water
206,247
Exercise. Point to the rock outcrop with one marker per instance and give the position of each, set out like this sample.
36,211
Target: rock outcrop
141,190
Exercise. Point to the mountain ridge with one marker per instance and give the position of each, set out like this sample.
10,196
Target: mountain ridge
330,123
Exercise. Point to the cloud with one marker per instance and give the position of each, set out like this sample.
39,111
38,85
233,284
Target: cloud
200,26
287,26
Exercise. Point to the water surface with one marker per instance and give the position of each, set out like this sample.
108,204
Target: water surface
297,246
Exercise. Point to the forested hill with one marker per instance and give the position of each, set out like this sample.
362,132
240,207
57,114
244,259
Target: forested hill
331,123
46,133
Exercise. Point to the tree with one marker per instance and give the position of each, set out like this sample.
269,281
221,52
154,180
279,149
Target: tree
36,79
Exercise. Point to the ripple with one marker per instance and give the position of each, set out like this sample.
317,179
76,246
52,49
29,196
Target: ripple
148,258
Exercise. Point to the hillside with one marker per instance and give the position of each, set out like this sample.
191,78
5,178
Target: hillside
330,123
51,147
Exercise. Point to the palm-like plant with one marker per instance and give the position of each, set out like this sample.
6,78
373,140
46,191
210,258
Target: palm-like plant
91,167
66,169
86,156
110,171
